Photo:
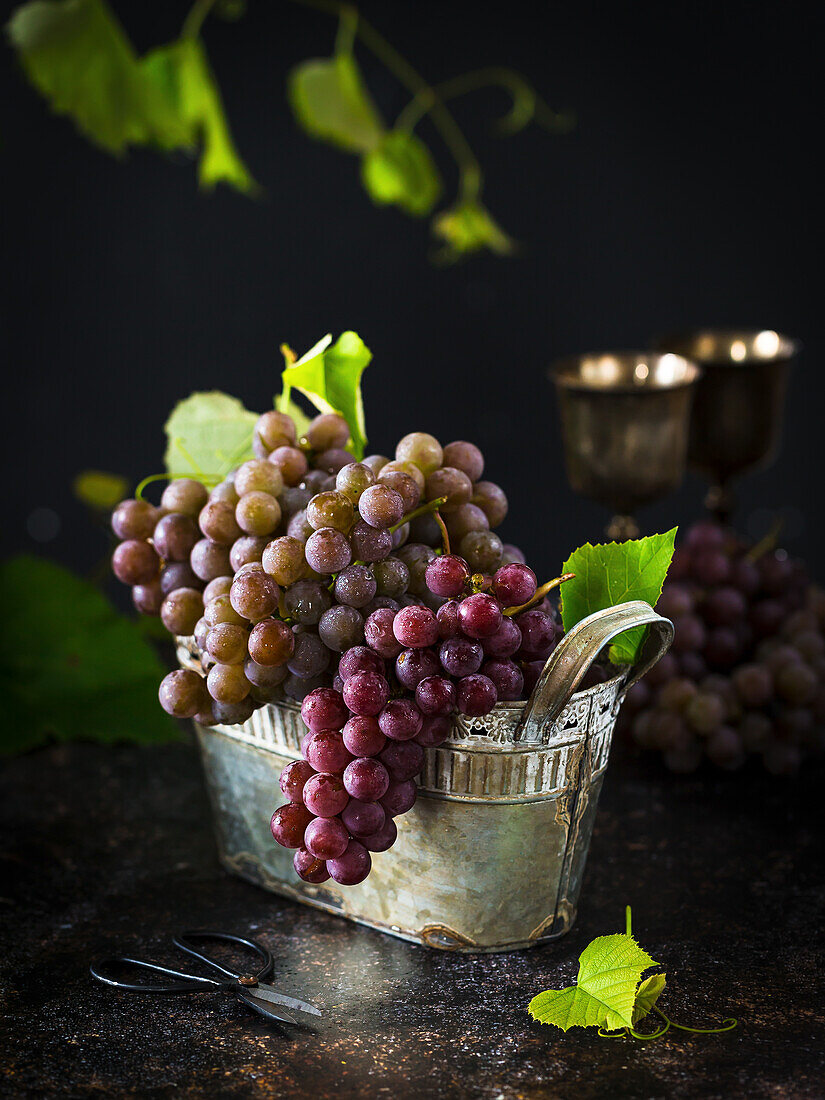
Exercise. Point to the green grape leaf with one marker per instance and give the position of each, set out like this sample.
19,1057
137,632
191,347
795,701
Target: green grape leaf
71,667
330,101
614,573
610,969
208,434
182,74
77,55
329,375
401,171
647,995
99,489
468,227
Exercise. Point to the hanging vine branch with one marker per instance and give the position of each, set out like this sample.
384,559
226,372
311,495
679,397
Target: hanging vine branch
169,100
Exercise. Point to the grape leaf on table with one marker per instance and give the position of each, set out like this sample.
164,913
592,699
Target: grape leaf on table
647,995
77,55
330,101
208,434
610,969
615,573
401,171
71,667
182,71
329,375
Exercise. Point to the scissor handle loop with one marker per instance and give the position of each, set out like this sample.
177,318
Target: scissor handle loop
186,941
188,984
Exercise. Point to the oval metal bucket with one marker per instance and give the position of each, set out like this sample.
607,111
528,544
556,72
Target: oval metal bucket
491,856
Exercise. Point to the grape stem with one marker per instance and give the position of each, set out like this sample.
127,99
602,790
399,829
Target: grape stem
766,543
204,479
539,594
421,510
445,535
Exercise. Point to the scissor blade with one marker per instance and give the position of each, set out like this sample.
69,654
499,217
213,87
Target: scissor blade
269,993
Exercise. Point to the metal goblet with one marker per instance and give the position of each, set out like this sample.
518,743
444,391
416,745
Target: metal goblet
736,421
624,423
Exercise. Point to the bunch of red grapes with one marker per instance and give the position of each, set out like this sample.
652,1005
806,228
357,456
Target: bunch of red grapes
745,676
306,576
393,698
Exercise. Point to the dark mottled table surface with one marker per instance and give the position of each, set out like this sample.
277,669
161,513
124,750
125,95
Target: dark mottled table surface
110,848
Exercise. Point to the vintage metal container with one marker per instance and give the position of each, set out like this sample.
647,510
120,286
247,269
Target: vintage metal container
491,856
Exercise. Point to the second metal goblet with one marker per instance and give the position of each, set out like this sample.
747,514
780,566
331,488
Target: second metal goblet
625,428
737,413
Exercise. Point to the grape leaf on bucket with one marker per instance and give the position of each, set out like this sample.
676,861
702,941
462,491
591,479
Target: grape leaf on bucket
207,435
615,573
71,667
610,969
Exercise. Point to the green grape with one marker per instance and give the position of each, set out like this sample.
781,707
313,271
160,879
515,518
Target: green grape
184,495
450,483
258,475
258,513
220,610
182,693
227,643
405,485
326,432
218,523
490,498
408,468
330,509
227,683
181,610
466,457
225,491
271,643
291,462
283,559
353,479
254,594
422,449
482,551
275,429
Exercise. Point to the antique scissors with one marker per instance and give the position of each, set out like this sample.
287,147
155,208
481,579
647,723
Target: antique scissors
248,985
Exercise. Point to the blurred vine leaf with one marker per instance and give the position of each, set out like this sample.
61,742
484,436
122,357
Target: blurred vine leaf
181,69
468,227
329,375
99,489
207,435
71,666
330,102
400,170
77,55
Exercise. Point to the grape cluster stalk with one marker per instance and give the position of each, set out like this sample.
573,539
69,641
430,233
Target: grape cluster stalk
745,676
309,577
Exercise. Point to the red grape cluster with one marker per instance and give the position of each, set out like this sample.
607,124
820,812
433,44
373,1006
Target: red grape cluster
394,697
746,673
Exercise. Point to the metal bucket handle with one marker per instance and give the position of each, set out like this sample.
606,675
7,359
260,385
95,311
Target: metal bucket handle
568,664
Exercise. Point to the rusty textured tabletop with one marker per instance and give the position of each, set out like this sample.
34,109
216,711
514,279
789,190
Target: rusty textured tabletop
110,848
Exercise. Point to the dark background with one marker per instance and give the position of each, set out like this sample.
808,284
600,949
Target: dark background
686,196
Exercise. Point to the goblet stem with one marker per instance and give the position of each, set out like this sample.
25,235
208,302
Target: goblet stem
721,502
622,528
